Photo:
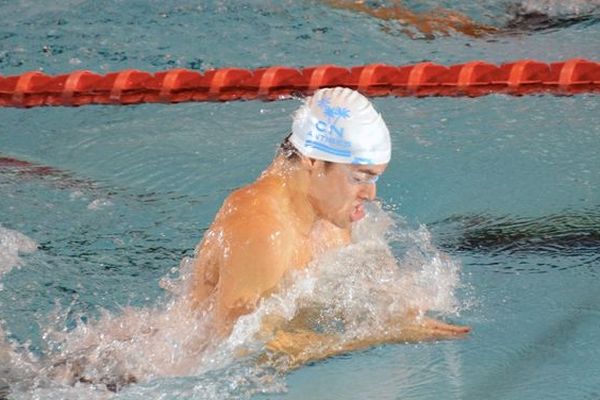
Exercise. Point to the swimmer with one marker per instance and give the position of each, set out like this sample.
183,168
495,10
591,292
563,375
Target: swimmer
525,18
302,205
438,20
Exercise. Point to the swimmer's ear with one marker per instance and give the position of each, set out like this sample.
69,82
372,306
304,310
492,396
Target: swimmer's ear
308,163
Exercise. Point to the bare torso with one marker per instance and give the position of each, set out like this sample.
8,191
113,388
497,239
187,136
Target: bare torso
261,232
274,226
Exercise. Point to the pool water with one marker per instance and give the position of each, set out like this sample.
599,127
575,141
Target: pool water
492,207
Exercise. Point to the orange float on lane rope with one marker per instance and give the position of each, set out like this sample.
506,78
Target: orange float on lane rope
475,78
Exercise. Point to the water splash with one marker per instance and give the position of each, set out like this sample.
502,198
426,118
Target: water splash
11,244
388,269
541,15
557,8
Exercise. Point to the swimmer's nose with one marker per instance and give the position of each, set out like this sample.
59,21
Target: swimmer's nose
368,191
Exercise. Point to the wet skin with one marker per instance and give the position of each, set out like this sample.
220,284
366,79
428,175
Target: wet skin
437,21
292,213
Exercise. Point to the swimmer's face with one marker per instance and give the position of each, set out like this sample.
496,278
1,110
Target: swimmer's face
338,191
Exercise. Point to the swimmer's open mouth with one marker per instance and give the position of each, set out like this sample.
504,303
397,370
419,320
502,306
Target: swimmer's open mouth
358,212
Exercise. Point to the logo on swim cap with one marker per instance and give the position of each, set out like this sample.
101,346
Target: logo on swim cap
333,114
341,125
326,135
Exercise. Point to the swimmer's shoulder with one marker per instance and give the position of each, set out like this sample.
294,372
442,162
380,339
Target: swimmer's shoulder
254,202
251,228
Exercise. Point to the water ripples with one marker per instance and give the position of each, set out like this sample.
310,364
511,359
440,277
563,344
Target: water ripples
559,241
535,16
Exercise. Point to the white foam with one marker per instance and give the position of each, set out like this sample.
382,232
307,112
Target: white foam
556,8
99,204
388,269
11,244
361,288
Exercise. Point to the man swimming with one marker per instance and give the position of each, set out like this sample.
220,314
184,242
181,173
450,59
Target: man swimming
302,205
524,17
437,21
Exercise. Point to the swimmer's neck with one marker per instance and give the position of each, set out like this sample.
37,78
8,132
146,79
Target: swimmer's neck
293,181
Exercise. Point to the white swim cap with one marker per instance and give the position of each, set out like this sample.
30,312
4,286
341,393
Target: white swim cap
341,125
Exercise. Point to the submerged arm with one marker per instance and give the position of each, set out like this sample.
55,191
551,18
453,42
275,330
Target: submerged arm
438,20
303,345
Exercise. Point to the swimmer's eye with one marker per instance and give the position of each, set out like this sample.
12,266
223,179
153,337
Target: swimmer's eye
363,178
360,176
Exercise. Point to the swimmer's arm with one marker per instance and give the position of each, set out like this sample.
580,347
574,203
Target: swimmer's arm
437,20
301,346
253,267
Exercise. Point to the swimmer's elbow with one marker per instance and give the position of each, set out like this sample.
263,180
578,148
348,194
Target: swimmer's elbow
230,308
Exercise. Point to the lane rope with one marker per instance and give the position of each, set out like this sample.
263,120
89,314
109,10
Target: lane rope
131,86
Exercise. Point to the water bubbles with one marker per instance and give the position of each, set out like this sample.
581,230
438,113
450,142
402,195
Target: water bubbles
358,290
12,243
556,8
76,194
388,270
99,204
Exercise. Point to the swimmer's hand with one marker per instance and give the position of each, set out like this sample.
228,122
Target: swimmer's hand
416,327
301,346
427,329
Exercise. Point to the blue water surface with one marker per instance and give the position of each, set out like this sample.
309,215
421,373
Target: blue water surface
507,186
